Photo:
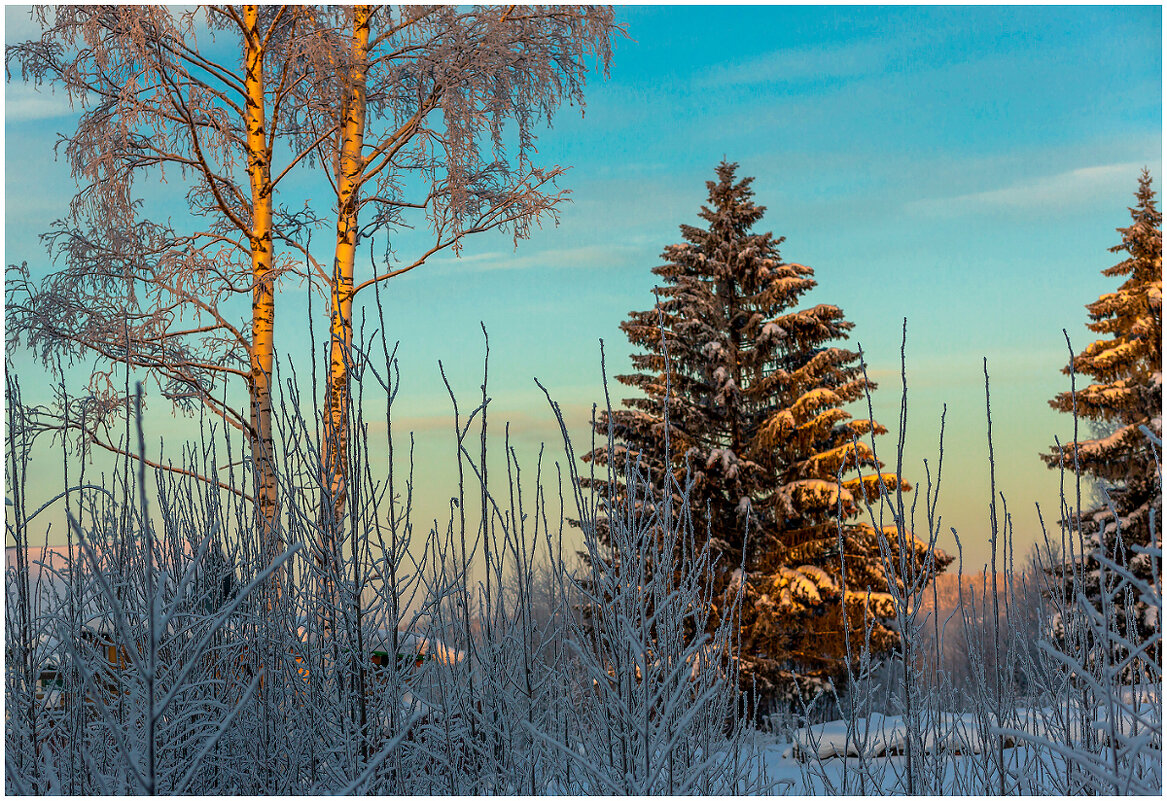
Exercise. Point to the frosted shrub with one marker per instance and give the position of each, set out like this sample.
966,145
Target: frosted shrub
659,669
161,652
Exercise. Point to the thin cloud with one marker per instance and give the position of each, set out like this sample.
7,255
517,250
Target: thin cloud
23,102
801,64
1058,191
584,256
19,24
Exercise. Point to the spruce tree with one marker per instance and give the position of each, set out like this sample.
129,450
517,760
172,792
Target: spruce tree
1127,395
755,391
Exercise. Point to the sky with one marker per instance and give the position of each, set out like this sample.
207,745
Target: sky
963,168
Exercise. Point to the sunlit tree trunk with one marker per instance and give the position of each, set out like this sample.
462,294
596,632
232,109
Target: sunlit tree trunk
475,63
350,172
263,290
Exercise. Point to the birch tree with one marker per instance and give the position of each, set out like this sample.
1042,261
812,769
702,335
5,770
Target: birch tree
422,99
195,98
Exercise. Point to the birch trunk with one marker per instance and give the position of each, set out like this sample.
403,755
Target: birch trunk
262,294
350,171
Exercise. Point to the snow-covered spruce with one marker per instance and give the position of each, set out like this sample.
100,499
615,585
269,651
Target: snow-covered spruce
1125,398
755,419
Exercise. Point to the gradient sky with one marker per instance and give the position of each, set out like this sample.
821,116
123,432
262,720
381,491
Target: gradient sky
964,168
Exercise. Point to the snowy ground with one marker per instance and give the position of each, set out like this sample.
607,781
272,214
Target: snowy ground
869,756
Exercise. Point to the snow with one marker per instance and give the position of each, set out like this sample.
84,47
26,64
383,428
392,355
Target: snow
726,458
816,399
736,578
811,493
879,736
772,331
1095,448
816,759
796,590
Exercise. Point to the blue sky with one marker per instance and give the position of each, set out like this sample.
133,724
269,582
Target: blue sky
964,168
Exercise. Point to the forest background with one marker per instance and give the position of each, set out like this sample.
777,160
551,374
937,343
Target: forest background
962,168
